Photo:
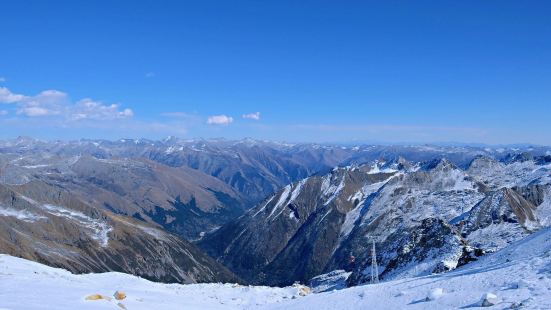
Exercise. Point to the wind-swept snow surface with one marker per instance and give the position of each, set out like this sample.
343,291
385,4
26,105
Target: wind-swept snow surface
519,276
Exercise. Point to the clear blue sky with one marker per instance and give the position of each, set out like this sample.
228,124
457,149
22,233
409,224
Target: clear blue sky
391,71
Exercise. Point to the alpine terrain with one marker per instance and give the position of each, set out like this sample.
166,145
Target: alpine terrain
424,217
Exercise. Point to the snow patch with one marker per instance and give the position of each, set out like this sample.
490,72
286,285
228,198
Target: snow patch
23,215
99,230
264,206
282,199
35,166
543,212
496,236
297,190
353,215
334,191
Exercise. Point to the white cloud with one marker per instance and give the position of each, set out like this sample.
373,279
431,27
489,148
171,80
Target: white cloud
255,116
219,120
90,109
47,103
36,111
2,79
150,75
3,112
6,96
57,103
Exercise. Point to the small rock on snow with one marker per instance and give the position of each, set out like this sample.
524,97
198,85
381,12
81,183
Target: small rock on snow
488,300
119,295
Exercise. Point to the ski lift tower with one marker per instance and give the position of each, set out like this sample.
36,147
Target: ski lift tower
374,267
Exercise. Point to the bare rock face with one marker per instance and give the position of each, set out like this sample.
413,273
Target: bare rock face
535,193
51,226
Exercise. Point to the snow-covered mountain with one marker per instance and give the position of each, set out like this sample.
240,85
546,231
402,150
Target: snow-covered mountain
424,217
191,187
96,205
518,276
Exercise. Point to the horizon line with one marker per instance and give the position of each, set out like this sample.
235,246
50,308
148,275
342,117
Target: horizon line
334,143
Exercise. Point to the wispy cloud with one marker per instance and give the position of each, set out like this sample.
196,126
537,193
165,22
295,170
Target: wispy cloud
3,112
2,79
219,120
254,116
177,114
149,75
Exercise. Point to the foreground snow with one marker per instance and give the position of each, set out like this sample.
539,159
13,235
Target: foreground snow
29,285
519,275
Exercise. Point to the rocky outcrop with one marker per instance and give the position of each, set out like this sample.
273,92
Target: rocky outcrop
433,246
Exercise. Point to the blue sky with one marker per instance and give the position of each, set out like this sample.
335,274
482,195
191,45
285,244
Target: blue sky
320,71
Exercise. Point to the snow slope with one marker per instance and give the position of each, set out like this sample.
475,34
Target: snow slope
519,275
29,285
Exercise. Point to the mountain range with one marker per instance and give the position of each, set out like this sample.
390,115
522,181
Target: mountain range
266,212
